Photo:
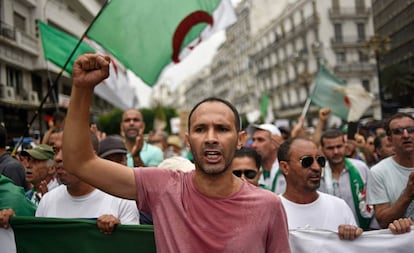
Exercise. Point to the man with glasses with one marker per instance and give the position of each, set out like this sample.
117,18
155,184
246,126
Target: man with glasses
301,163
344,177
246,165
391,181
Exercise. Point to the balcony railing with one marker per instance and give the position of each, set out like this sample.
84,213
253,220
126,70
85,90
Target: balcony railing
349,13
7,31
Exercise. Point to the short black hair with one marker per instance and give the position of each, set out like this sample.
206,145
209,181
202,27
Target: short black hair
398,115
378,140
331,134
215,99
249,152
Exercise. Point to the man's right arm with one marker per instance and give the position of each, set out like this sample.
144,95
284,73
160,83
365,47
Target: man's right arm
79,158
386,213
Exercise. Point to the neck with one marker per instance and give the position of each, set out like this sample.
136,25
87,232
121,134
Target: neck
300,197
337,169
268,163
217,185
406,160
79,189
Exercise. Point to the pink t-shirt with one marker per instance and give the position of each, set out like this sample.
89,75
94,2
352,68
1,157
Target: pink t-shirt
251,220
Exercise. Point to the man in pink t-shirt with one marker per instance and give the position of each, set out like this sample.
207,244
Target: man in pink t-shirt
206,210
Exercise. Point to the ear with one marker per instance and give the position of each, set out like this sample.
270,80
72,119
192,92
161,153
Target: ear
284,166
241,139
186,141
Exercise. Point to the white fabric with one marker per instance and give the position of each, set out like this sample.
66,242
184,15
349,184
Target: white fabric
386,182
326,212
324,241
7,244
59,203
280,185
342,188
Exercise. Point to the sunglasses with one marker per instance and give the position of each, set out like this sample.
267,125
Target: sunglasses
250,174
307,161
400,130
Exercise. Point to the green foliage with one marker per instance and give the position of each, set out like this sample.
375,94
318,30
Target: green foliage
110,122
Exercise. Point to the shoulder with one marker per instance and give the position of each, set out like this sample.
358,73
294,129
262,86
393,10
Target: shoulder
262,195
358,164
55,193
152,148
382,166
8,161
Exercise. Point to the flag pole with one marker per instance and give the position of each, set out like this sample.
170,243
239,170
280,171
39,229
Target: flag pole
306,107
51,87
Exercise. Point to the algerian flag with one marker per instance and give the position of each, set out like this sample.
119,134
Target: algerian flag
357,99
57,47
148,35
349,102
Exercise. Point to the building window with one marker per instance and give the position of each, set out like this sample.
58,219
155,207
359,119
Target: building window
361,32
15,79
338,32
335,6
363,57
340,57
19,21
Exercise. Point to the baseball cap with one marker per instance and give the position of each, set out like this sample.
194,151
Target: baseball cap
267,127
39,152
174,140
111,145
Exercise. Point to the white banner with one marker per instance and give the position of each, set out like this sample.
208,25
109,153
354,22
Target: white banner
324,241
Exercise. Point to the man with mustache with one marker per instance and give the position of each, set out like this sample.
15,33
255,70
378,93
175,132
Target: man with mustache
301,163
391,181
205,205
344,177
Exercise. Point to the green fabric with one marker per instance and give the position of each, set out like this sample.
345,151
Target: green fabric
58,45
35,235
324,94
266,173
264,105
357,186
140,33
12,196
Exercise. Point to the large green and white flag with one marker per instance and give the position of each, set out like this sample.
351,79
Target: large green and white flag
348,102
58,45
148,35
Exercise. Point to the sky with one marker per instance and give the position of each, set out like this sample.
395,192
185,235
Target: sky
200,57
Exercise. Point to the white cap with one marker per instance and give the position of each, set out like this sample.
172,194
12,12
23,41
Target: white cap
267,127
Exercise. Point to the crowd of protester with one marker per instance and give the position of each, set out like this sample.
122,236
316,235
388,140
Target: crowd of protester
285,178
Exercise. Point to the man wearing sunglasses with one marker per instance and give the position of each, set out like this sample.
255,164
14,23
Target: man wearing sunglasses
391,181
345,178
246,165
301,162
266,141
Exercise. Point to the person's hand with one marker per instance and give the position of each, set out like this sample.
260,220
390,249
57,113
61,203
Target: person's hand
139,142
409,188
43,187
324,113
89,70
298,130
5,215
106,223
349,232
400,226
359,141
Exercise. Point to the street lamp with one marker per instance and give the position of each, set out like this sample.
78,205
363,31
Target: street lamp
379,45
